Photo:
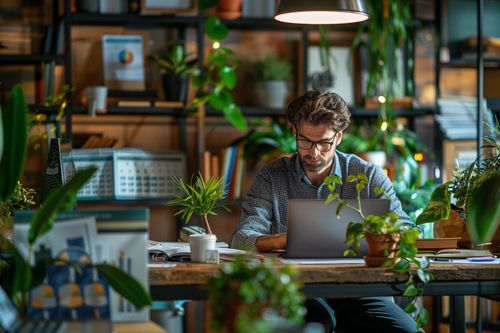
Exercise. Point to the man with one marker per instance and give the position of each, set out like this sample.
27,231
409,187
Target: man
318,120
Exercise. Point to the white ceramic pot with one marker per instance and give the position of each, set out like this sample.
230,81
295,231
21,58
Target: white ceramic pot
271,94
376,157
199,244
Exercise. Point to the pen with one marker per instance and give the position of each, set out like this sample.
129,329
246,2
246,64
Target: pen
481,259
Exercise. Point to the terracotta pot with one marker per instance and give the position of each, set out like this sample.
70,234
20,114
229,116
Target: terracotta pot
456,226
229,9
378,246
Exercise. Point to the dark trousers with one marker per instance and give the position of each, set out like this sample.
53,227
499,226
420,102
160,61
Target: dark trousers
370,314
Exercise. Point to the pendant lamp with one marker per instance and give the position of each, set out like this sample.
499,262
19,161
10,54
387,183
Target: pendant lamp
321,11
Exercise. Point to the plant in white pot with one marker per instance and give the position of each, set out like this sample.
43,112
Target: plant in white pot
199,198
272,74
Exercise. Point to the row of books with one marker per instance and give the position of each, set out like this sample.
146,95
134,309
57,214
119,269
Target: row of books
232,170
458,117
15,39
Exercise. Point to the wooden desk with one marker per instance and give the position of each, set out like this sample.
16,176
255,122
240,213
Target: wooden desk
185,281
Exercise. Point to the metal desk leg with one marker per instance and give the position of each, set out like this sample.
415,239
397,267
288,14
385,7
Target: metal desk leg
457,314
437,312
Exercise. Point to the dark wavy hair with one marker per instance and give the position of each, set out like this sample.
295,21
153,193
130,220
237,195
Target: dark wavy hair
319,107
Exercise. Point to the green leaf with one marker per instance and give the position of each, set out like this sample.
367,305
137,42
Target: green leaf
423,275
22,272
235,117
60,200
410,308
215,29
340,207
14,141
402,266
227,76
126,285
422,318
483,208
410,291
351,178
220,100
378,190
438,207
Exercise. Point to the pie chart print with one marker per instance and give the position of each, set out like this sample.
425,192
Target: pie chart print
125,57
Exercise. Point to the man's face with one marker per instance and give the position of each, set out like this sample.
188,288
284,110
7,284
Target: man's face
322,142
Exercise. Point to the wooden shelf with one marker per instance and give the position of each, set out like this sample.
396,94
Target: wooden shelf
470,63
29,59
132,19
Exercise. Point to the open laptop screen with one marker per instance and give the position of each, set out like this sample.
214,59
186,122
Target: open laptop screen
314,231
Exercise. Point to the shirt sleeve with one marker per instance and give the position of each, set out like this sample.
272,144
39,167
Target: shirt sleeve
379,179
256,213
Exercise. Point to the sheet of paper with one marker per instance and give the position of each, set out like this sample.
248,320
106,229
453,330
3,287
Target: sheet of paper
466,261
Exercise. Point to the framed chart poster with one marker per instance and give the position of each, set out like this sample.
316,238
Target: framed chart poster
123,61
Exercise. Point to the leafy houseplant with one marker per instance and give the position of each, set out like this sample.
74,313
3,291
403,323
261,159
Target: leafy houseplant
18,275
390,24
21,198
199,198
398,249
241,292
477,193
218,78
176,69
268,139
271,74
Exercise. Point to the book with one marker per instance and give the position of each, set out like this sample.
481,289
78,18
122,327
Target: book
137,104
455,253
437,243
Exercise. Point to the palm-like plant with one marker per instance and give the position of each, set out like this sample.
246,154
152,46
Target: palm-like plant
199,198
176,61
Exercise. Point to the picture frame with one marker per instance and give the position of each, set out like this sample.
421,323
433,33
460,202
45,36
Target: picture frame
346,70
161,7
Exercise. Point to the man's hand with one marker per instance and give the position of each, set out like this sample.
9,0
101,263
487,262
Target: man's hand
271,243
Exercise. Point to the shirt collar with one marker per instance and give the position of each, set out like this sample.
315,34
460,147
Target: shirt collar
336,170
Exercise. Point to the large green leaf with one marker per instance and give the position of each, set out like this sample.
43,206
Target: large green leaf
215,29
227,76
60,200
483,208
15,141
126,285
235,117
438,207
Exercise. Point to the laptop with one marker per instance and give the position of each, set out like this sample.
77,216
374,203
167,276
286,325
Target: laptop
11,323
314,231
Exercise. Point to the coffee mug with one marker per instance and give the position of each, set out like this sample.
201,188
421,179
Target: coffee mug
96,99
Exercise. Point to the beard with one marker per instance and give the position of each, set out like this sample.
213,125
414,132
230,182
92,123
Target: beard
317,164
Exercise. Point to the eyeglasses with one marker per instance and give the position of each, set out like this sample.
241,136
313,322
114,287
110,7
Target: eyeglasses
322,146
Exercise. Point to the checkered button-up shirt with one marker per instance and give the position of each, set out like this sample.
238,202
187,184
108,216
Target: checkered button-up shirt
265,208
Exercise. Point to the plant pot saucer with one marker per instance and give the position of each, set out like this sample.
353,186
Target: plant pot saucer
229,15
374,261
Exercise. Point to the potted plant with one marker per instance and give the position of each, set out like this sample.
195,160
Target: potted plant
19,277
176,69
243,290
377,142
390,244
476,191
21,198
271,74
199,198
268,140
390,25
217,78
